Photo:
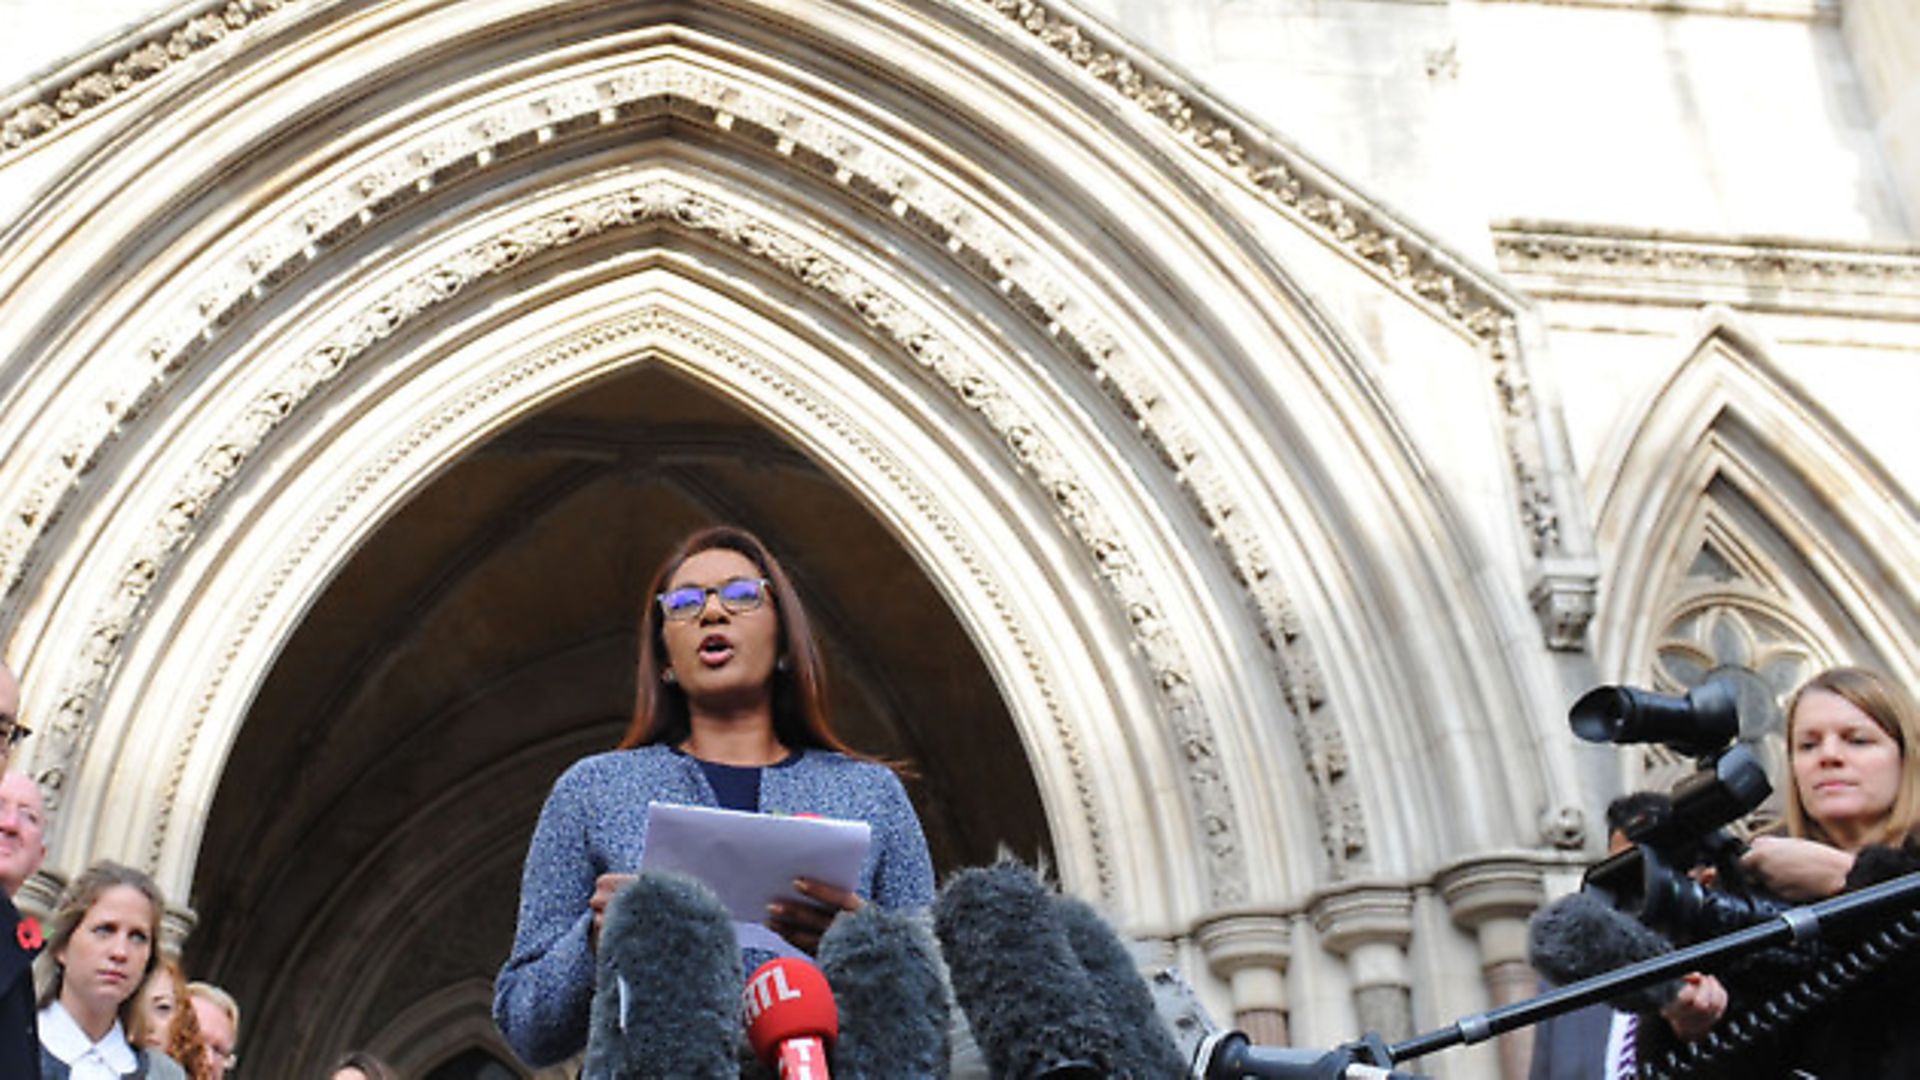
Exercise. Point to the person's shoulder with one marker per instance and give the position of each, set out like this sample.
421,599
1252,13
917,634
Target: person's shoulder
158,1066
844,766
613,766
1876,863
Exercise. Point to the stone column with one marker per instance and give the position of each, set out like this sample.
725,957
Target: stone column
1493,898
1370,926
40,894
1250,949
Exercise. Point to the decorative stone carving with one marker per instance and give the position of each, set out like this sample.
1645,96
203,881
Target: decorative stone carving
1594,263
1370,925
1564,601
1404,260
699,96
1250,949
25,118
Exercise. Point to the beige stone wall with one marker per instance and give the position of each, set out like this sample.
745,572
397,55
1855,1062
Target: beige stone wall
1289,431
1883,37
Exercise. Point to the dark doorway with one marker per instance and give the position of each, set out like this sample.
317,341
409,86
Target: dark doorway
364,848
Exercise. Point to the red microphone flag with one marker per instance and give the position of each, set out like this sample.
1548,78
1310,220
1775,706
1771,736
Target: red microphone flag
791,1018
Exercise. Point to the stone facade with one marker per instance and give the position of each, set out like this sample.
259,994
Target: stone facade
1223,437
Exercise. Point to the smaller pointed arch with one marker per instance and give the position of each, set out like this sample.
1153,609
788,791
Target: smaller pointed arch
1736,480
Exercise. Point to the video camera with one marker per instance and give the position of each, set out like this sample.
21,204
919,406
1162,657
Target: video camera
1652,880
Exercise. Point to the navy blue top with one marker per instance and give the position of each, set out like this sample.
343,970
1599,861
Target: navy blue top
737,787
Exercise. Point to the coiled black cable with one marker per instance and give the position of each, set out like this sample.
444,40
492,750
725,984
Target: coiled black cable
1742,1030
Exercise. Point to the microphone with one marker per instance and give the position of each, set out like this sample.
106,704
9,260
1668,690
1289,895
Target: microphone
1032,1006
791,1018
887,976
1229,1055
666,1002
1146,1046
1578,936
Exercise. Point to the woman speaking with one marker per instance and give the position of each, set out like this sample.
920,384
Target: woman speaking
1852,815
730,713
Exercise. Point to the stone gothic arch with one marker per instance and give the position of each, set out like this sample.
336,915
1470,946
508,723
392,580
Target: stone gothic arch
1750,534
970,269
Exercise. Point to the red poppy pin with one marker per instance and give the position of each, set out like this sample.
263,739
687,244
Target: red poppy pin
29,934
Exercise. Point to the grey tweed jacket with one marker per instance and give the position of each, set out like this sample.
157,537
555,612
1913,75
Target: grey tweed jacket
594,823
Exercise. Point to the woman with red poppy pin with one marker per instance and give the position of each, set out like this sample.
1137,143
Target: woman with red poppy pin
731,713
103,947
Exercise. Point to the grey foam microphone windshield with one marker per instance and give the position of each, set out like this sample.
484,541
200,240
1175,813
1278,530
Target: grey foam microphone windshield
1146,1046
666,1000
887,975
1579,936
1031,1004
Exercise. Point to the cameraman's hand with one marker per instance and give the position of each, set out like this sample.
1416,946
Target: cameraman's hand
1698,1006
1797,870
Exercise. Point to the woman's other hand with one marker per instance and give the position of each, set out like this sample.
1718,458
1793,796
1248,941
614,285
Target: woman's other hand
604,887
803,923
1797,870
1699,1005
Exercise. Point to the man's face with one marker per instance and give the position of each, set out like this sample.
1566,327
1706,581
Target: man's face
23,826
217,1034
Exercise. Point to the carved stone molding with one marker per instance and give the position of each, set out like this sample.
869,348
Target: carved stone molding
1370,926
1250,949
104,76
333,216
1809,10
1237,939
1492,888
713,349
1364,913
1392,251
1602,263
1563,598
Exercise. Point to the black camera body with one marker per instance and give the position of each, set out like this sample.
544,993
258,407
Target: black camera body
1654,880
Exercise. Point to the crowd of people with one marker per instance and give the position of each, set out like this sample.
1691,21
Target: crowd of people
110,1005
731,713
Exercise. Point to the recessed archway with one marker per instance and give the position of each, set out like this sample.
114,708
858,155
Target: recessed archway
394,761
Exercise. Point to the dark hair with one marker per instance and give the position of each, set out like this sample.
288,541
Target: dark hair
660,713
77,900
371,1067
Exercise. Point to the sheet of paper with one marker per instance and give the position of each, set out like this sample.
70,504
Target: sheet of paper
752,859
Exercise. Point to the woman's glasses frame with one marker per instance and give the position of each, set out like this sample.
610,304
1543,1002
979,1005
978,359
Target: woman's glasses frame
737,595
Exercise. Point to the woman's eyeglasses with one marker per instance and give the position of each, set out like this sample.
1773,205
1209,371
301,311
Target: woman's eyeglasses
737,595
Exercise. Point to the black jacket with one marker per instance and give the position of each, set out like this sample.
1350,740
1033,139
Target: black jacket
19,1033
1870,1030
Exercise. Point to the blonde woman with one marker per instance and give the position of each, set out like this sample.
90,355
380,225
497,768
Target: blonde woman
102,947
1852,820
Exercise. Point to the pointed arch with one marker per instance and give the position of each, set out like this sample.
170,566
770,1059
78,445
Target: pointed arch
910,240
1793,514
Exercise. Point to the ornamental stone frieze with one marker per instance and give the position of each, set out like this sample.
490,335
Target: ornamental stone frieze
1562,581
329,217
1577,262
103,78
